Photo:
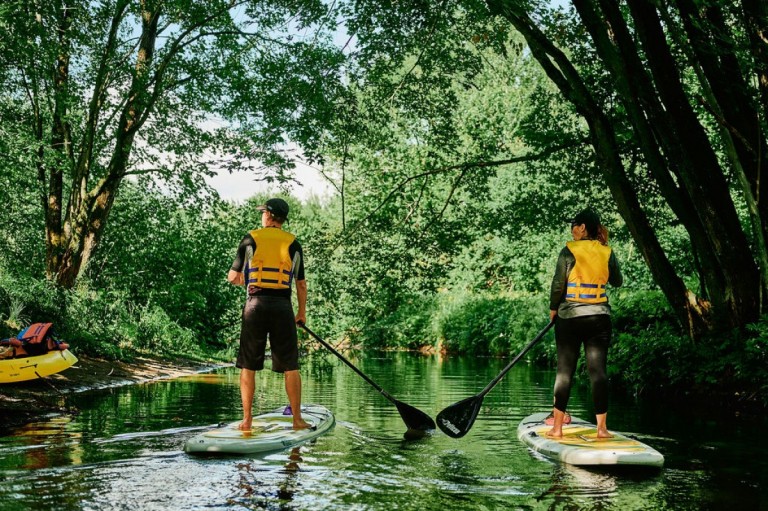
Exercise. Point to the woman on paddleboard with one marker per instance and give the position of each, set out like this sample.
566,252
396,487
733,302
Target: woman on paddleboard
579,306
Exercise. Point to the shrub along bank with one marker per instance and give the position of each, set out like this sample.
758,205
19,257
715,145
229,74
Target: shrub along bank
650,354
99,323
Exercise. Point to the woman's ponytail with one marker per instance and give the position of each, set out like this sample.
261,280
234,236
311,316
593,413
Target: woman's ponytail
602,234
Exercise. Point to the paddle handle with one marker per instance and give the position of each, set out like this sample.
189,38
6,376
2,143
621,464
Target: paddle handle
514,361
343,359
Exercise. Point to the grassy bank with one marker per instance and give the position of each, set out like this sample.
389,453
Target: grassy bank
104,324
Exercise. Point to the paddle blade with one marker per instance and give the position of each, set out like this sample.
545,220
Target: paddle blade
413,417
457,419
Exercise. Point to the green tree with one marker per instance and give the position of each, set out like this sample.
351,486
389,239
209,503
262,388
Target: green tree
657,129
174,256
673,136
114,89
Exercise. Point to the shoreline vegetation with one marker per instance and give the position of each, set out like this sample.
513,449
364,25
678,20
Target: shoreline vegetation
119,342
648,361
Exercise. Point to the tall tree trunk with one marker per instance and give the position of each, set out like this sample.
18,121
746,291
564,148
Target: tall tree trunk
87,232
89,212
700,172
653,128
716,54
84,163
689,310
60,143
619,53
756,21
727,96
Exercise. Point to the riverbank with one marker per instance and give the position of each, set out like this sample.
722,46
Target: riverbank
24,402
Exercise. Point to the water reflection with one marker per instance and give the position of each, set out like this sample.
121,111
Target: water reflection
570,482
123,450
261,486
48,443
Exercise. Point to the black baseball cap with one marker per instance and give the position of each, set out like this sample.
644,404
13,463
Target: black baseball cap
278,207
587,217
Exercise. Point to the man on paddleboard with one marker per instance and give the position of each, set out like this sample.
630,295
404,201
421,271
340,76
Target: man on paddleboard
268,261
579,306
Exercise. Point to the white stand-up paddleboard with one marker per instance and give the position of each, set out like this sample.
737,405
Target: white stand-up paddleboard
580,445
270,432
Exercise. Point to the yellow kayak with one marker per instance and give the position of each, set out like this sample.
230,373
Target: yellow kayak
28,368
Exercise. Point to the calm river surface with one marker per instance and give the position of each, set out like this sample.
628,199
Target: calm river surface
123,450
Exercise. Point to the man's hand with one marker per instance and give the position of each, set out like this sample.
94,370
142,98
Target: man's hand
236,278
301,295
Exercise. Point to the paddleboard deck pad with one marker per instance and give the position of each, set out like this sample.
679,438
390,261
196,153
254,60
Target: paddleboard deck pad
271,431
580,445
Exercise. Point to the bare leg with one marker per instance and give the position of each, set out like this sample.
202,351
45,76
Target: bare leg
602,429
293,389
247,388
557,428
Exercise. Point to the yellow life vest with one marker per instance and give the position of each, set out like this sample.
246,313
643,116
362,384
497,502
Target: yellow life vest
587,280
270,266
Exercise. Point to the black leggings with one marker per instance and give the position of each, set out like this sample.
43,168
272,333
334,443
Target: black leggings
595,333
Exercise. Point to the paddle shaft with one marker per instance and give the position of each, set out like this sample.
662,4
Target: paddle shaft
343,359
514,361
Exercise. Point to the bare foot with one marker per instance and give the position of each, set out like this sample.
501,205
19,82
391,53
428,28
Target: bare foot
555,434
246,425
301,424
604,434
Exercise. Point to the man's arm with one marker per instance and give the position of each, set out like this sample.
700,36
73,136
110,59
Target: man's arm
244,253
301,295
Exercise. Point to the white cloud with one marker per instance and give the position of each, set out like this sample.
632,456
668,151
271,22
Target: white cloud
240,186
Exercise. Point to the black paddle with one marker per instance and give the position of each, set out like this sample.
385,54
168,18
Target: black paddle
457,419
413,417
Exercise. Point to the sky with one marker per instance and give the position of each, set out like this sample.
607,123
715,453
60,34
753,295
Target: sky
240,186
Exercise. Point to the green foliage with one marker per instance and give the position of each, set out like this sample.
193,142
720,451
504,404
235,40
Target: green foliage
157,250
24,300
641,309
654,356
409,326
21,219
100,95
455,160
157,332
650,353
157,286
490,324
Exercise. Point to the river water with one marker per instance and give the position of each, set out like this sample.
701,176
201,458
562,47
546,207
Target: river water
123,448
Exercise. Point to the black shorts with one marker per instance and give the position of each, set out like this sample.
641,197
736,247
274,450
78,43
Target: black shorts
268,317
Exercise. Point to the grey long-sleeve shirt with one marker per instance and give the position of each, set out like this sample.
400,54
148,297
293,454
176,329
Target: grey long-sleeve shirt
565,263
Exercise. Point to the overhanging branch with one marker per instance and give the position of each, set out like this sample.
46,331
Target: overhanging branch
463,168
